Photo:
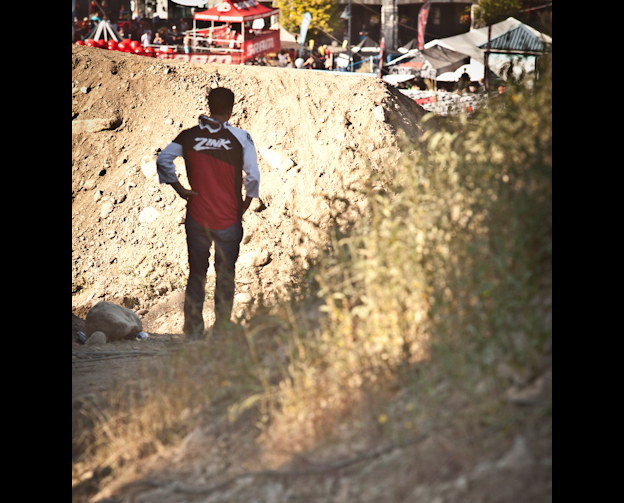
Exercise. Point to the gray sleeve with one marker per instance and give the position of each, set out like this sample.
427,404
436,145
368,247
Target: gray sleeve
166,167
250,162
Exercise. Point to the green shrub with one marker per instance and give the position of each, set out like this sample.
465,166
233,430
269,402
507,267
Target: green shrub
450,263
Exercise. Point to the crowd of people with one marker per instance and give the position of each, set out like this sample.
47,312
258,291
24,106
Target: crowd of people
150,32
320,58
146,31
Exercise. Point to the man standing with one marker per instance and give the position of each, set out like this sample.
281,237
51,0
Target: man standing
216,155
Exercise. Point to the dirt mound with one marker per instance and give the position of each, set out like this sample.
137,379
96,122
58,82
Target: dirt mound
315,134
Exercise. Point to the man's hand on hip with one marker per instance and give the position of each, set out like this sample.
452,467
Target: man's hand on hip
182,192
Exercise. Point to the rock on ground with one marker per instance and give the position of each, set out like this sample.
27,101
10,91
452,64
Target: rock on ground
96,339
116,322
95,125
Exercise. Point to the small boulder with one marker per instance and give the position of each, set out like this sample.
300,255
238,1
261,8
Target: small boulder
96,339
118,323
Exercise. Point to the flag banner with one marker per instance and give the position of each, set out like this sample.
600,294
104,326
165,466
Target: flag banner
305,24
423,17
382,50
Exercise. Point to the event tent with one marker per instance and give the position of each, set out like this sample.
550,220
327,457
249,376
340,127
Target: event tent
428,63
469,44
237,45
232,11
518,40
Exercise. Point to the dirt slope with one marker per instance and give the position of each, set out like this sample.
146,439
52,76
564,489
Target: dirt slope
315,133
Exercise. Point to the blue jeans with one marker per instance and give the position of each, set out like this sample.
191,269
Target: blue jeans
227,248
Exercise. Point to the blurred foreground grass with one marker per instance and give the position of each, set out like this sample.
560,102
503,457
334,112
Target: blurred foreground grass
442,288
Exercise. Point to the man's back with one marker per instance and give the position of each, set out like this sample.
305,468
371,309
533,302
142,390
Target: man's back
216,154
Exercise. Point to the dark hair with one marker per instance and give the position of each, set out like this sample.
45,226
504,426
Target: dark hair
220,100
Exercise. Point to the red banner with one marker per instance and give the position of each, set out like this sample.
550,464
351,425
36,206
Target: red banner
423,17
264,44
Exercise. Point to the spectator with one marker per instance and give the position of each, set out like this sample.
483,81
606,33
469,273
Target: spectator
158,40
233,36
136,30
187,43
177,37
146,38
124,13
363,33
95,20
155,20
106,9
282,58
463,83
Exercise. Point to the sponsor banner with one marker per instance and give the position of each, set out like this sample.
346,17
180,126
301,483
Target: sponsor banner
264,44
227,59
305,24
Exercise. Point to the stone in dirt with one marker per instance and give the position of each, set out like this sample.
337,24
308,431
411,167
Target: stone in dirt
244,298
97,339
148,215
276,160
380,113
118,323
149,167
254,259
96,125
107,209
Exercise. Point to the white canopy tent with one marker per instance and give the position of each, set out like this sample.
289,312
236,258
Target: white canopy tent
468,43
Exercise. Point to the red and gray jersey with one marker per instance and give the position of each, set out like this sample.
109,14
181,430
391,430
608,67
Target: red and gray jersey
216,155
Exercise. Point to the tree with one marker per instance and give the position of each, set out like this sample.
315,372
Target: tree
489,12
324,14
